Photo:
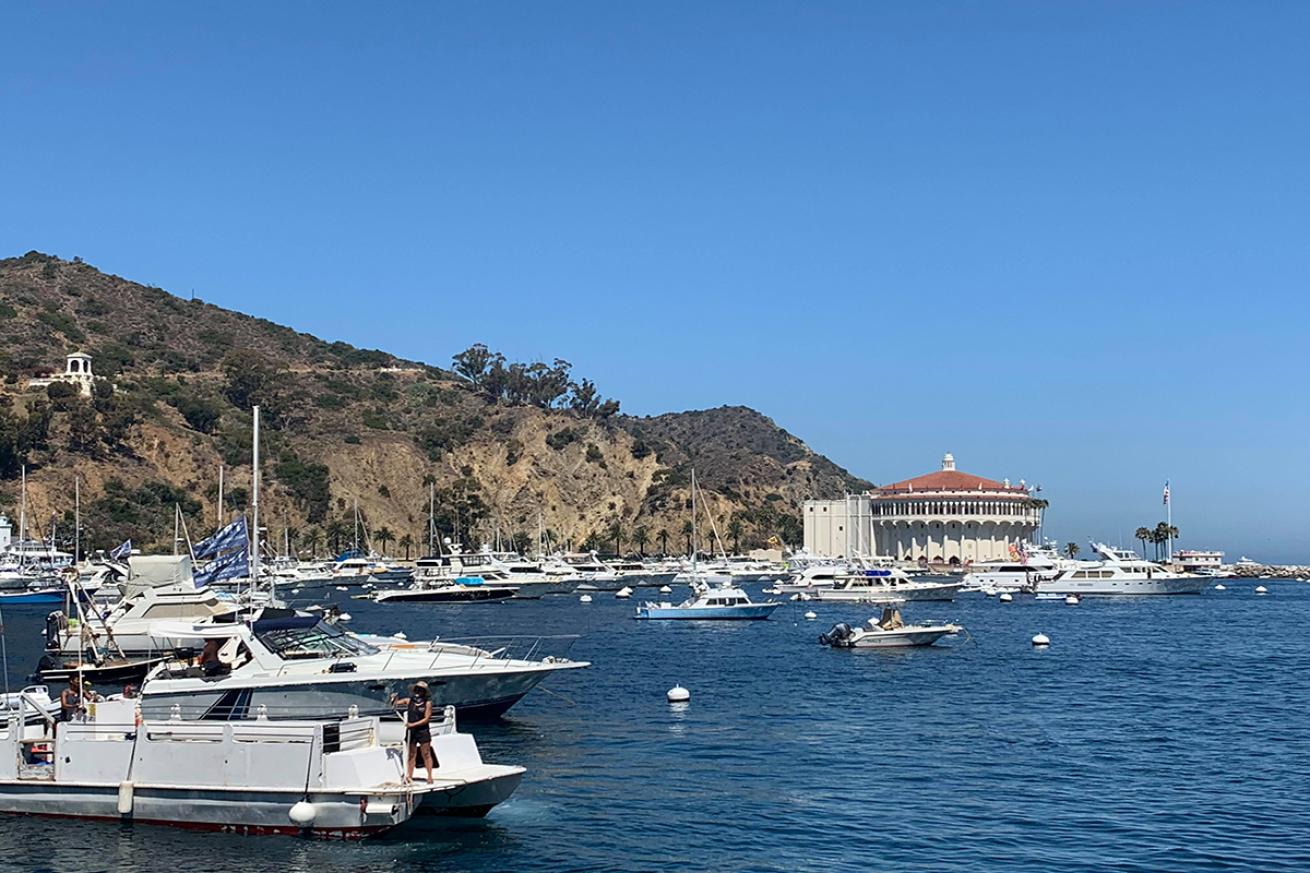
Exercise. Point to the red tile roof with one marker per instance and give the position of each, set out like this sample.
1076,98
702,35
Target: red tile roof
948,480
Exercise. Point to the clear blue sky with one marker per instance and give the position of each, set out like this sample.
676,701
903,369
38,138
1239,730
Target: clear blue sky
1068,241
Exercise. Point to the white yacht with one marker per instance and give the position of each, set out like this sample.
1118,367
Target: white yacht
1119,571
710,603
886,586
289,665
1035,564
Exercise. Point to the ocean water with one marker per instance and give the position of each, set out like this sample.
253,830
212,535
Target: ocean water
1152,735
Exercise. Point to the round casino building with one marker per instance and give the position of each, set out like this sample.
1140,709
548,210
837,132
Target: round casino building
944,517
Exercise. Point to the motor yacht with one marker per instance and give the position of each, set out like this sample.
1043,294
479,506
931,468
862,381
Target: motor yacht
707,602
299,666
886,586
1120,572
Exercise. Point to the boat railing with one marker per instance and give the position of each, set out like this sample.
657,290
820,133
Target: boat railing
506,648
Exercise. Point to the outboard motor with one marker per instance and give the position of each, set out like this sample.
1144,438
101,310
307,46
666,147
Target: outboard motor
840,633
55,624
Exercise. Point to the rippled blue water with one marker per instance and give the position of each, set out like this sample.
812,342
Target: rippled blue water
1153,735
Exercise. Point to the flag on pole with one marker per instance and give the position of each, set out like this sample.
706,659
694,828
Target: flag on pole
234,565
1166,492
232,536
122,551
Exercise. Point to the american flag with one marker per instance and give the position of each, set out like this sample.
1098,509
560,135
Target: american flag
1166,492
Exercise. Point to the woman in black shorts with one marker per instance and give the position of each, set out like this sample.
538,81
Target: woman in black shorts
418,734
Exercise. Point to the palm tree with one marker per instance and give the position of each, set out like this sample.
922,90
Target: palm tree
336,531
1163,533
383,536
406,543
735,530
664,542
616,533
687,530
1143,534
313,540
641,535
1071,549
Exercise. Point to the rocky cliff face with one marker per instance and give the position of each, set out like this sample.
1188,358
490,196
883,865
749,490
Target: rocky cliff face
346,427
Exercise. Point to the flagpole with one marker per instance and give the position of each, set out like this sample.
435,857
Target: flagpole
1169,519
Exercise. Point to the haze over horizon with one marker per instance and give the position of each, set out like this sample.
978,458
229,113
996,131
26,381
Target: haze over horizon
1064,242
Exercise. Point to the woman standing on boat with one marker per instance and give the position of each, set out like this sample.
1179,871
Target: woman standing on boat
418,733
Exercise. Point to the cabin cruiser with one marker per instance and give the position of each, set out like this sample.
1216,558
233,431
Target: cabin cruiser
811,578
359,570
454,578
334,779
886,586
886,632
593,574
639,575
299,666
1120,571
708,602
1032,564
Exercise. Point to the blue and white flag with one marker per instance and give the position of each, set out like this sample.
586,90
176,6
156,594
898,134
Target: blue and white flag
233,536
123,550
234,565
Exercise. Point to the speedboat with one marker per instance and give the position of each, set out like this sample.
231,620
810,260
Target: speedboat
722,603
303,778
1120,572
300,666
886,586
886,632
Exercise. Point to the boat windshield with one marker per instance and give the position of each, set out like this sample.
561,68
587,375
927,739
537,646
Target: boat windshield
318,641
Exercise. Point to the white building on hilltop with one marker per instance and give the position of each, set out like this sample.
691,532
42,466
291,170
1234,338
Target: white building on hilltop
943,517
77,371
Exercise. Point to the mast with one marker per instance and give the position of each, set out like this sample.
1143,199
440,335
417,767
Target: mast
432,514
357,524
1169,521
254,501
218,522
77,519
177,517
693,524
22,521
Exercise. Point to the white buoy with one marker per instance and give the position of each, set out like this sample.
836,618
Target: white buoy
1260,589
664,589
1221,587
1005,597
989,592
623,593
1041,640
586,598
345,616
678,694
794,597
295,590
303,813
1072,599
342,588
811,615
400,635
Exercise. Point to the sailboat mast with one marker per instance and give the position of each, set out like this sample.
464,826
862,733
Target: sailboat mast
218,521
22,521
432,514
254,500
357,524
693,523
77,519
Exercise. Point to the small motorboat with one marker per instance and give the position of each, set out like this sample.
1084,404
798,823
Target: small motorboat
887,632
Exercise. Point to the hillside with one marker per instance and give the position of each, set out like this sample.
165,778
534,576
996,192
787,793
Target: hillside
501,443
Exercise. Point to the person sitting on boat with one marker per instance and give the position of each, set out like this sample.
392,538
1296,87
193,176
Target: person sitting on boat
210,663
891,618
70,700
418,731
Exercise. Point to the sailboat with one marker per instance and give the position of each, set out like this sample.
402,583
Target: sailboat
20,586
707,602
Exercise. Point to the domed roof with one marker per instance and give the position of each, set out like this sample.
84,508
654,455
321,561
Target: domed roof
948,479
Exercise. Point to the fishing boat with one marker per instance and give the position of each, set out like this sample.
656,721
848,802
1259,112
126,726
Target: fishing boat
886,632
313,779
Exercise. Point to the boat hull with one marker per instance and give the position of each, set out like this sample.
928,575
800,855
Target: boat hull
894,639
898,594
463,594
1124,587
751,612
338,815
